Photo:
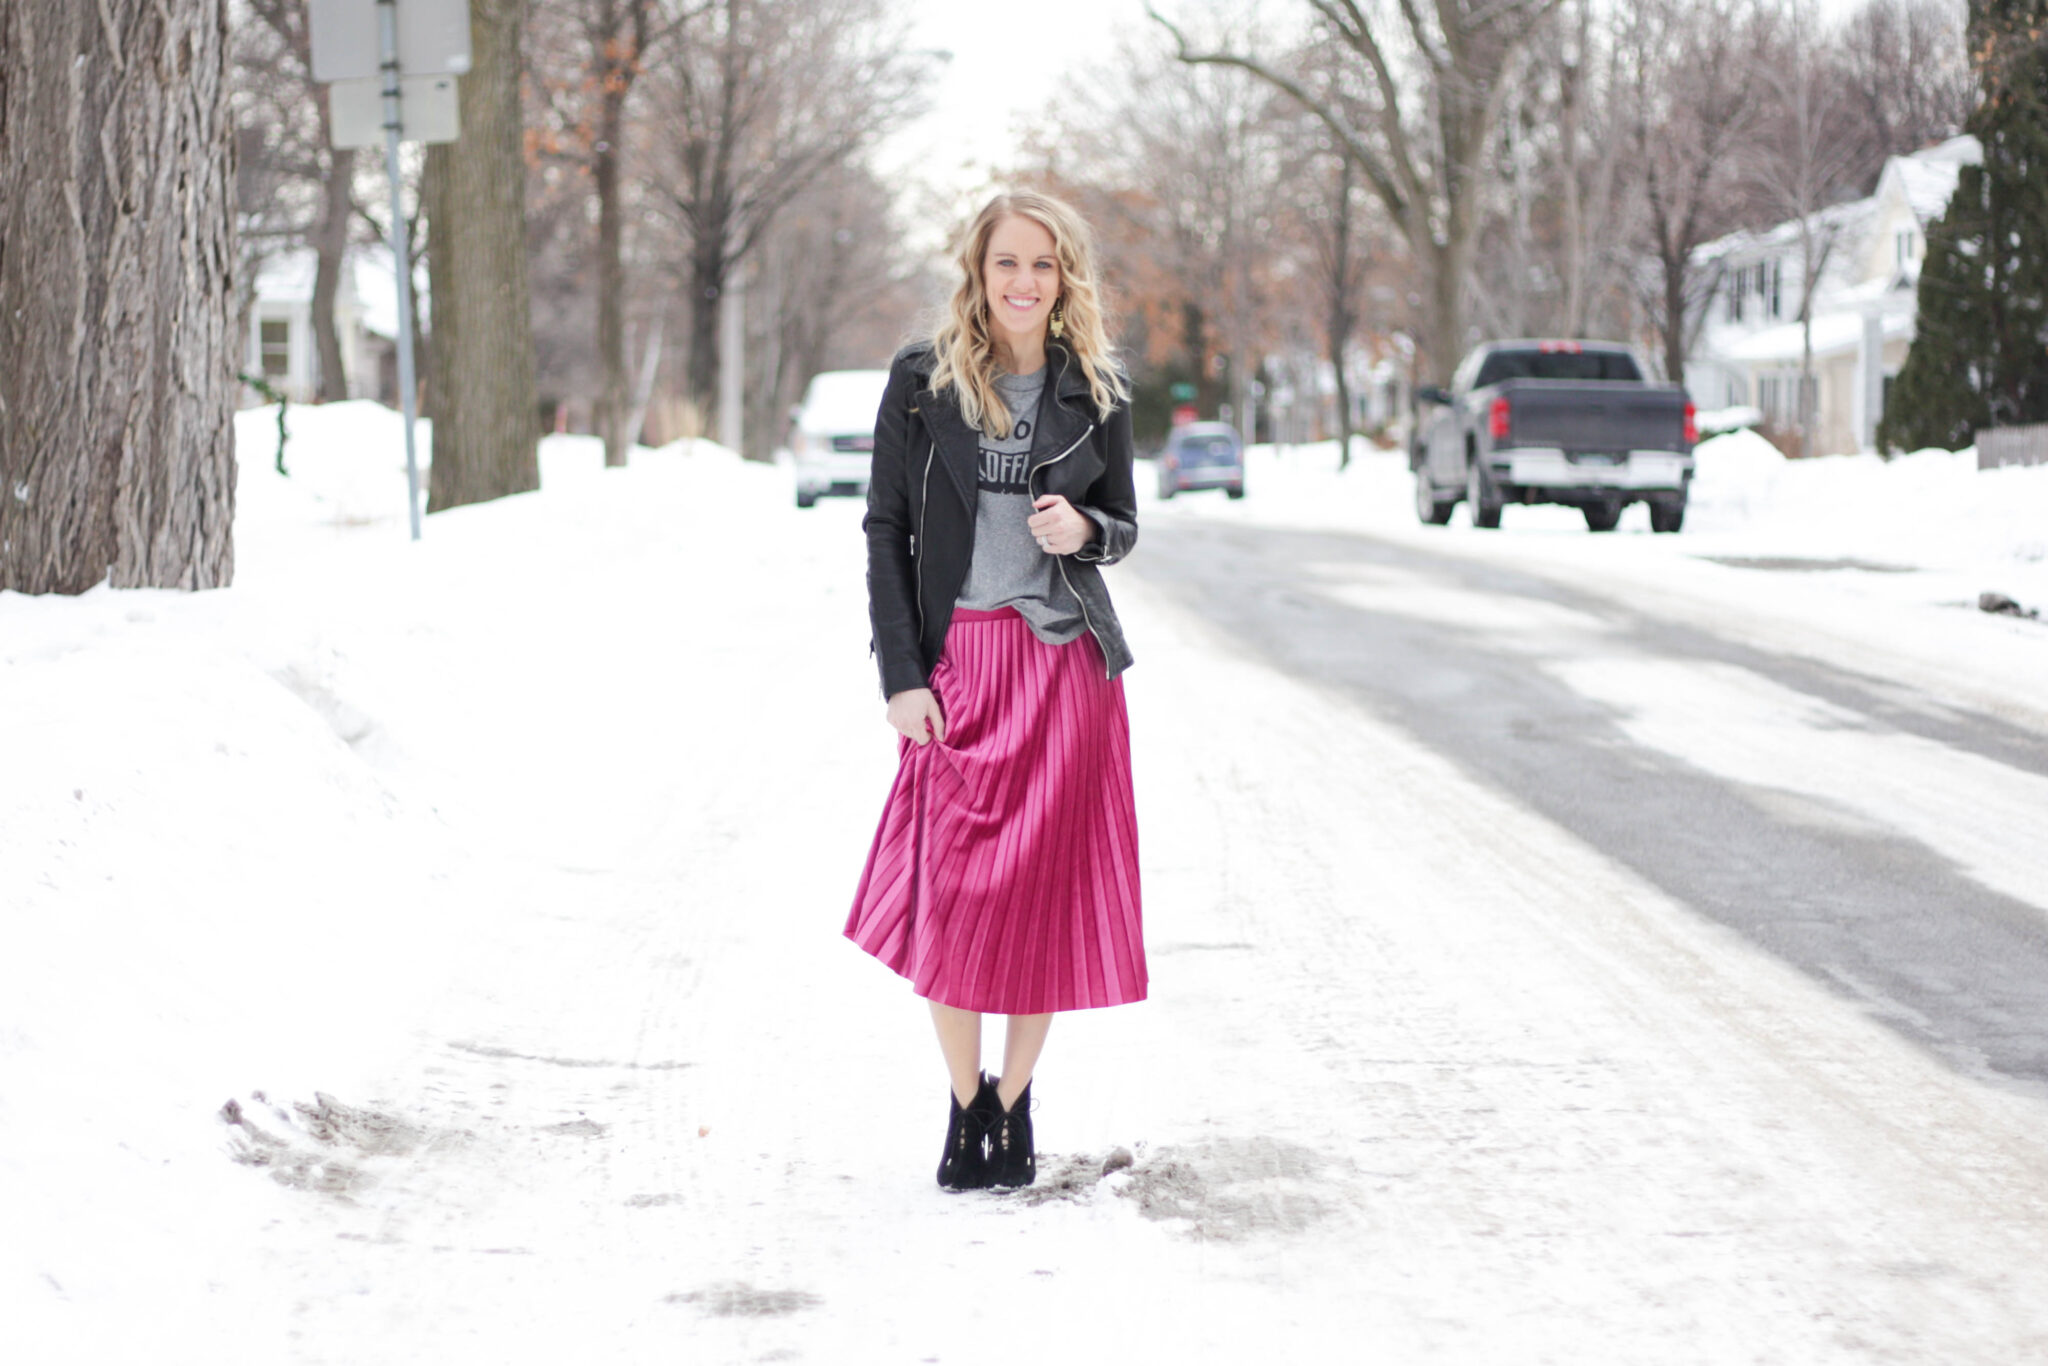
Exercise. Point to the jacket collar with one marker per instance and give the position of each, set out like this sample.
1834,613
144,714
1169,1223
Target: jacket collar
1070,377
1060,423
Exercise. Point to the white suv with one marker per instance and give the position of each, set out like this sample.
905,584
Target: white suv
832,433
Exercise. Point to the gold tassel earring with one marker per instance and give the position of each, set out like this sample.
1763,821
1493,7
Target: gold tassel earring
1059,318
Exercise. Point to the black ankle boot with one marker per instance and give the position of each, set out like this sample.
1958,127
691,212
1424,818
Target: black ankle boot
1012,1160
964,1165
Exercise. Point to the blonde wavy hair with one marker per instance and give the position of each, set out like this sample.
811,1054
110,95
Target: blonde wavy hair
965,350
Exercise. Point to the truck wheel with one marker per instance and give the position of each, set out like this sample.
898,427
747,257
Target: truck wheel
1666,515
1428,506
805,498
1482,496
1602,515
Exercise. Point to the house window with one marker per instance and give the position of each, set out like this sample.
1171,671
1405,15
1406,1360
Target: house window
275,337
1777,395
1736,294
1770,279
1905,244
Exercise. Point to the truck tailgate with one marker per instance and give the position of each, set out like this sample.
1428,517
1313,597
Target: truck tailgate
1581,415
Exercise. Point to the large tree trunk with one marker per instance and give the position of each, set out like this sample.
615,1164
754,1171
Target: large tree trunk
1671,323
1443,347
116,306
486,434
620,36
330,244
707,277
1341,317
1571,97
611,276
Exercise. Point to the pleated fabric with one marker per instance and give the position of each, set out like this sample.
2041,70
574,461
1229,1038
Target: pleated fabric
1004,876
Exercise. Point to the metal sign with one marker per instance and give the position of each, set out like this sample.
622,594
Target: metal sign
433,38
390,70
355,110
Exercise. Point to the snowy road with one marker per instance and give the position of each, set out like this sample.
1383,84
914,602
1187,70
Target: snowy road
1880,839
1537,977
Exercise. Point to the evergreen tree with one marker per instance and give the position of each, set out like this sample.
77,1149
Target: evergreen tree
1980,357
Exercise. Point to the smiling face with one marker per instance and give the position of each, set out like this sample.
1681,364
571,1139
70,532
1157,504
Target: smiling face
1021,276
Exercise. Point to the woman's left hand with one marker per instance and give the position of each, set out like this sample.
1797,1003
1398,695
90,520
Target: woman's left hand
1061,528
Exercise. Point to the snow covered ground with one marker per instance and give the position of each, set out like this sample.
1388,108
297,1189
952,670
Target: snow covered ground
1871,563
430,953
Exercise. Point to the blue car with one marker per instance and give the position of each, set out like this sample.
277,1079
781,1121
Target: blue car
1202,455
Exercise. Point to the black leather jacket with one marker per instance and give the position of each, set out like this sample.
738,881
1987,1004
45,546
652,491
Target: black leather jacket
921,500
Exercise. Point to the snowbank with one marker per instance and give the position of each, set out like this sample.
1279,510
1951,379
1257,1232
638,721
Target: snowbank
1861,562
245,834
1932,511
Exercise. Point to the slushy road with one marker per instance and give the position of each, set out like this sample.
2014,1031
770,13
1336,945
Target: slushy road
1886,843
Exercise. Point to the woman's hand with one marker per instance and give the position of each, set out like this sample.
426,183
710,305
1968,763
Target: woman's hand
1061,528
915,713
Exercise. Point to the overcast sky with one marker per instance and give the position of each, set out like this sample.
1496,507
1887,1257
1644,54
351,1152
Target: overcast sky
1008,64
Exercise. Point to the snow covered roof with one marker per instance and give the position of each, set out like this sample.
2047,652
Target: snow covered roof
1843,221
1833,333
377,289
371,285
1928,177
287,276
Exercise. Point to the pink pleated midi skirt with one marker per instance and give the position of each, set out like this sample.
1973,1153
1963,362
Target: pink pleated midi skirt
1004,877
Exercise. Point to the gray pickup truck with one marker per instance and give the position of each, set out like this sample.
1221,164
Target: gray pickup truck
1553,422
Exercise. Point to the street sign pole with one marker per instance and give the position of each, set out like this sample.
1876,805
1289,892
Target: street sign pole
394,124
368,64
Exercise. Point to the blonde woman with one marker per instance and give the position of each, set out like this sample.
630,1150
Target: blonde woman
1004,876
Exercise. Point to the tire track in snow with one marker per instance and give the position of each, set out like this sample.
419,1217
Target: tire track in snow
1581,1114
1472,662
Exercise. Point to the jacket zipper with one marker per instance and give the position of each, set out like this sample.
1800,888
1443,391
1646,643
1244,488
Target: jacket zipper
1060,561
917,548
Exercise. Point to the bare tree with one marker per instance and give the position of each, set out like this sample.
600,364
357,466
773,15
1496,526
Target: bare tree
1805,160
481,387
314,159
618,32
562,268
1341,256
277,150
1420,143
757,99
1183,171
1699,71
612,40
1559,247
117,248
1904,66
1333,227
831,291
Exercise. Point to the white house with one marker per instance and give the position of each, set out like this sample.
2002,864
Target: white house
280,344
1750,346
